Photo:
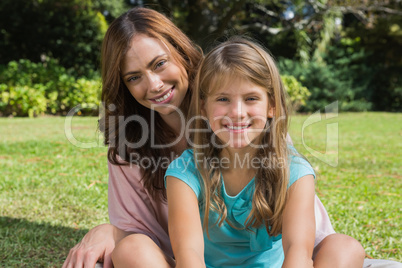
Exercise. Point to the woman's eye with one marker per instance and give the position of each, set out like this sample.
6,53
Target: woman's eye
133,78
160,64
222,99
251,99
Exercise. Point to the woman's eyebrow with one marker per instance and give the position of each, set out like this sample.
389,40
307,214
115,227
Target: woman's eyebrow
149,65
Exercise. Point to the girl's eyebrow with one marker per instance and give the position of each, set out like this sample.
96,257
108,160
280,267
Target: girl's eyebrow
149,65
246,94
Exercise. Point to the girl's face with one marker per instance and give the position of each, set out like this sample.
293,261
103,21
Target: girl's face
154,78
238,112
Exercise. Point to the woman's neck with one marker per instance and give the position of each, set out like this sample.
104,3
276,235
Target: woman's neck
176,122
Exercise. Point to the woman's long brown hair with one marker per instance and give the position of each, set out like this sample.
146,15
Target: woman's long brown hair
120,105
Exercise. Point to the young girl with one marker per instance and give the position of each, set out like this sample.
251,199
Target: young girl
242,185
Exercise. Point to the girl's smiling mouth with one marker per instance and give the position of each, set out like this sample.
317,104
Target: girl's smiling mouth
237,127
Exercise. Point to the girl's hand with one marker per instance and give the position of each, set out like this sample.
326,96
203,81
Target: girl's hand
298,228
97,245
185,228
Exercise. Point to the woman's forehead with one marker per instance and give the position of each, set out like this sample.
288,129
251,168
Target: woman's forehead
142,50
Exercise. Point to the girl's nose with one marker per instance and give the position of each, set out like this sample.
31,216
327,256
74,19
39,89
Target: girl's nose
237,110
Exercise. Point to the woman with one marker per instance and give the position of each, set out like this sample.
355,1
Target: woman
148,66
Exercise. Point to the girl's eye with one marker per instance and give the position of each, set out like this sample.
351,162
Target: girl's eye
252,98
160,64
222,99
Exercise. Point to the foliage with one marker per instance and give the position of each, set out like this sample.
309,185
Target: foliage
298,94
325,84
33,89
379,34
70,31
111,9
310,32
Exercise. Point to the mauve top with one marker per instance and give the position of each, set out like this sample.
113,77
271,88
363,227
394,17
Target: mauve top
132,208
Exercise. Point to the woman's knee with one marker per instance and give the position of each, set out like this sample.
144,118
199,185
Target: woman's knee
138,250
347,245
339,250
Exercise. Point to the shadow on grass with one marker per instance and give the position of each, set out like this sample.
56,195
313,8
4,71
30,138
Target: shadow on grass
31,244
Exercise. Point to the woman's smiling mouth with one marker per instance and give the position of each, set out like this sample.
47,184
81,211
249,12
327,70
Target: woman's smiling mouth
165,97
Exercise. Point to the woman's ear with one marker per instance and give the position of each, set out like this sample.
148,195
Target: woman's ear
202,104
271,112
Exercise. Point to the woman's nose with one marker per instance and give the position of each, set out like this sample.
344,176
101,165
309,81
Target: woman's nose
155,83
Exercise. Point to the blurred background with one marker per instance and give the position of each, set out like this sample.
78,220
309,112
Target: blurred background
327,50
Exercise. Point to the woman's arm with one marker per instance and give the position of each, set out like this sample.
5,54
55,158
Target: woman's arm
185,228
298,229
97,245
133,209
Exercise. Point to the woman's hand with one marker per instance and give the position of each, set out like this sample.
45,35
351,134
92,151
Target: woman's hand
97,245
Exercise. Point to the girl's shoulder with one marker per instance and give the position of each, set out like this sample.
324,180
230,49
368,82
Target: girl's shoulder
184,169
299,166
183,165
185,160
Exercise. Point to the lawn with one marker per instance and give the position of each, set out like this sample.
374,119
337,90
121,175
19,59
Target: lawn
52,190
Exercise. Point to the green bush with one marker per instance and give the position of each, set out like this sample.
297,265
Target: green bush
298,94
23,100
31,89
327,84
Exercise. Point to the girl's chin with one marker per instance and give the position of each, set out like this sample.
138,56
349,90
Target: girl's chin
239,146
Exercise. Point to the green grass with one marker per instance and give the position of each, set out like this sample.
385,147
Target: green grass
362,193
52,192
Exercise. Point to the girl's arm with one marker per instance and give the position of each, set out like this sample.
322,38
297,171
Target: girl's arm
298,229
185,228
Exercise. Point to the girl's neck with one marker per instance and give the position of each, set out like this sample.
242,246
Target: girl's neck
238,159
240,170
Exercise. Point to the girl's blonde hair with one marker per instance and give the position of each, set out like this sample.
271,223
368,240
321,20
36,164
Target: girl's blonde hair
244,58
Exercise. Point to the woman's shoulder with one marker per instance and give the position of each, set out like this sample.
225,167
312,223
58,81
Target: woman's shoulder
123,169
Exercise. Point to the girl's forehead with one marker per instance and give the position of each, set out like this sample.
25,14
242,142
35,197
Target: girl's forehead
238,86
227,82
220,82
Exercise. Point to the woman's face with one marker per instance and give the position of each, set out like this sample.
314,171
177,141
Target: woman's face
154,78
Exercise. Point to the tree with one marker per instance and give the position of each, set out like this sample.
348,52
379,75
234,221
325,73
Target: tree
70,31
